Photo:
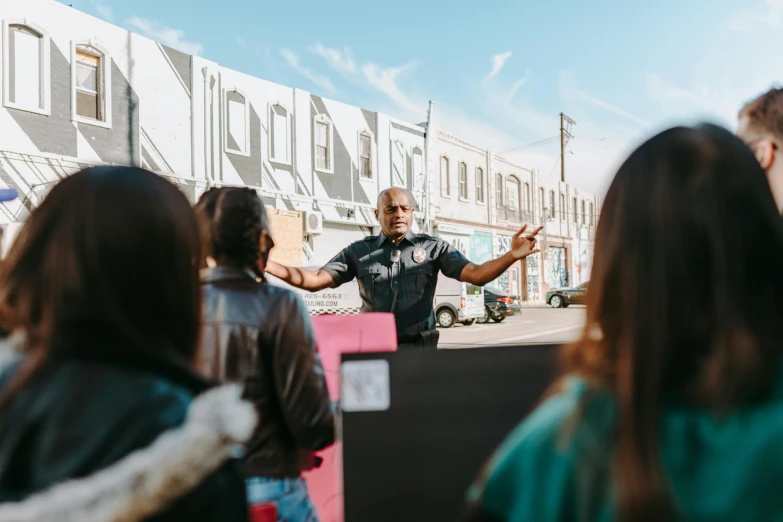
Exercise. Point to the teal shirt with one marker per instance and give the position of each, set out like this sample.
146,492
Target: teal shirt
721,469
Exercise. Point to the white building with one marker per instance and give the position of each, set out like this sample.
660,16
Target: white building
485,199
78,91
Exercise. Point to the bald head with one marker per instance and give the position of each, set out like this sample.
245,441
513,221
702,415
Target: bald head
396,194
395,213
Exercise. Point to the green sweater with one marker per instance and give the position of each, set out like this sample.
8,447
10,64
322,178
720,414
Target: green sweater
727,469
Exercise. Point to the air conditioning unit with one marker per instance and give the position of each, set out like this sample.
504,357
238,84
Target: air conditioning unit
313,223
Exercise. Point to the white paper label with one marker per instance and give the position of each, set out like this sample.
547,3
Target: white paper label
365,386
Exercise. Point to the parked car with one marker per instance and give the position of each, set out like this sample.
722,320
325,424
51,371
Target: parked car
498,305
457,302
563,297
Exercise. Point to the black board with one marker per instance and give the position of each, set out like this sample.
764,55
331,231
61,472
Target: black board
449,410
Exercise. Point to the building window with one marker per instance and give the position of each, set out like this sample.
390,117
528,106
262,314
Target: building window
584,219
399,171
541,202
445,179
90,84
575,210
527,200
279,134
237,123
512,193
365,156
499,190
417,165
323,148
26,68
463,181
479,185
562,207
592,215
551,204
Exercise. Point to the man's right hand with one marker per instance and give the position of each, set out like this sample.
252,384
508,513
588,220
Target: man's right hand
309,280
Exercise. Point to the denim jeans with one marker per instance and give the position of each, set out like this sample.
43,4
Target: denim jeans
289,495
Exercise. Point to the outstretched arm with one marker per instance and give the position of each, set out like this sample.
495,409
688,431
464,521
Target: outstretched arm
310,280
521,246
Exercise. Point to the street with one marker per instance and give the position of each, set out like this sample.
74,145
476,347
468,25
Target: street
534,325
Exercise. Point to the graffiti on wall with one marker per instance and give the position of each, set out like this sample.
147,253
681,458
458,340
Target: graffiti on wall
557,267
461,243
503,245
481,247
532,278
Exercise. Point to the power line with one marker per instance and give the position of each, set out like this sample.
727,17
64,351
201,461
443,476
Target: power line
532,145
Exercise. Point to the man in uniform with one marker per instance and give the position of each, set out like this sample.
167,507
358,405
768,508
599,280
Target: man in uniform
398,270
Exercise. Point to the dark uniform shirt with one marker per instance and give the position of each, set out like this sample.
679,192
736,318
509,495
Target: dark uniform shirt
414,277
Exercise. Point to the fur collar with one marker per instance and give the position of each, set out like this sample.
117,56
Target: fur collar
149,480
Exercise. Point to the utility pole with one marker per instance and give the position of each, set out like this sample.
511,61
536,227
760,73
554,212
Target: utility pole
565,135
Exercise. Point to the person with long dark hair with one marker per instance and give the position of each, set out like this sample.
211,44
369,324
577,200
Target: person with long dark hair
102,416
261,336
671,407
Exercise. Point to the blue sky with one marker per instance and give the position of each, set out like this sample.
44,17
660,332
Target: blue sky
499,72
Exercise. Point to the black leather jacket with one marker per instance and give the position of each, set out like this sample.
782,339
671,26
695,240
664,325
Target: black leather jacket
80,415
261,335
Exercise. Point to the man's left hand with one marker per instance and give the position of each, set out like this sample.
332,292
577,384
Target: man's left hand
523,245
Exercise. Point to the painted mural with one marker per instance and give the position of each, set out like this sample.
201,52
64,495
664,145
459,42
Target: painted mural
481,247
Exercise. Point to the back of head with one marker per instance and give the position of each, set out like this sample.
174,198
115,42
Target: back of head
686,297
232,220
765,113
111,251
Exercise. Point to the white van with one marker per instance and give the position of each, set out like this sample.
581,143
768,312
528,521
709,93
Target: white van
457,302
334,301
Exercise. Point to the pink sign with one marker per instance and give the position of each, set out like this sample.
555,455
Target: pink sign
336,335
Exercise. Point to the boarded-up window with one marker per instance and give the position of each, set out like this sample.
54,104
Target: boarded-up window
26,72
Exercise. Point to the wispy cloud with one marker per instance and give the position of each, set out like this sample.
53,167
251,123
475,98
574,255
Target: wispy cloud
611,108
293,61
385,80
341,61
174,38
498,61
746,20
519,83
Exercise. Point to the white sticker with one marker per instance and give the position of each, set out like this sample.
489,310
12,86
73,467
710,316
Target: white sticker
365,386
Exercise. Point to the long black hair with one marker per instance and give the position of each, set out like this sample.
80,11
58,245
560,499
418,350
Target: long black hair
111,251
686,298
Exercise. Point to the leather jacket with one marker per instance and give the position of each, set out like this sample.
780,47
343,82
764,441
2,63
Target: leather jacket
261,336
80,422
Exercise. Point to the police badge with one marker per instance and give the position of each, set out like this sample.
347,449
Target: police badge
419,255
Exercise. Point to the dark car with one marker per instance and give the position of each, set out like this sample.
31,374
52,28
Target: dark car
563,297
499,305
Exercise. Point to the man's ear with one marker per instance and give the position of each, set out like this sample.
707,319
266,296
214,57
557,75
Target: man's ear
765,154
377,217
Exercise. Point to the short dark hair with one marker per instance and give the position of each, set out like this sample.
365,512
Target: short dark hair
765,113
231,220
110,250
